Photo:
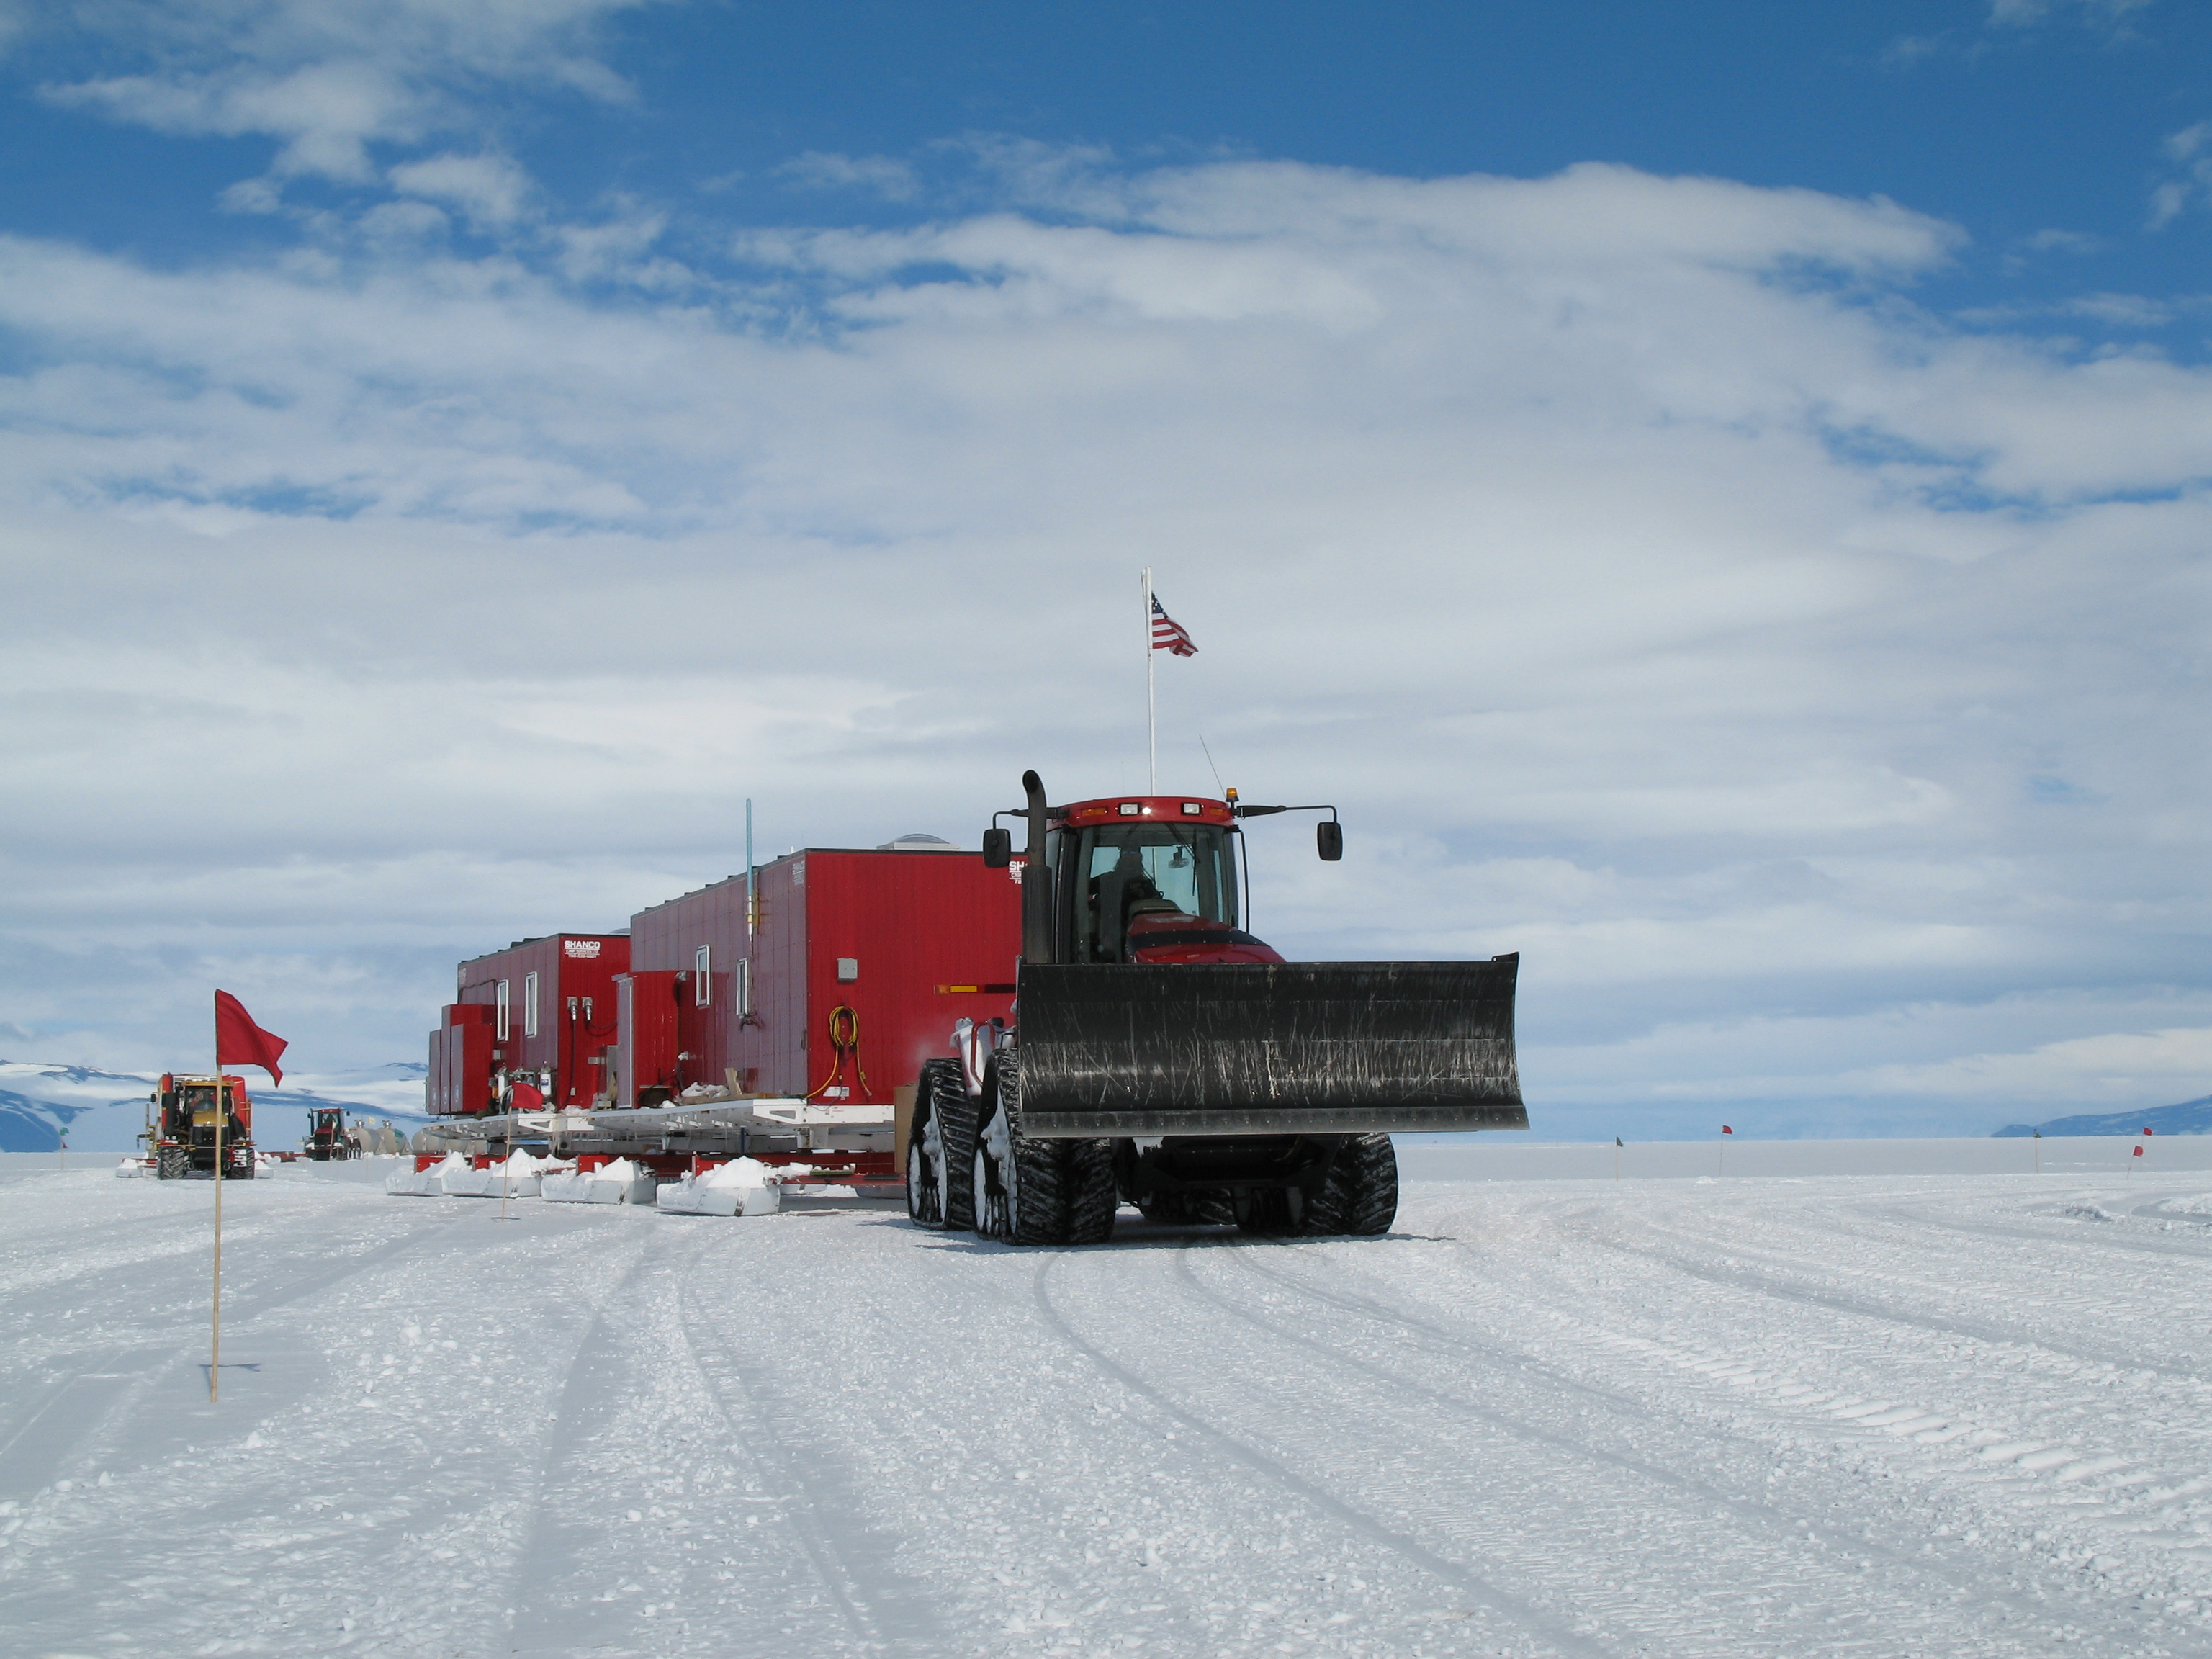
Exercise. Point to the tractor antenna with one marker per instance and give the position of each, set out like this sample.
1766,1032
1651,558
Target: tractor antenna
1210,766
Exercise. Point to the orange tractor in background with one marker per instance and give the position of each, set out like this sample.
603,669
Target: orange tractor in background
184,1128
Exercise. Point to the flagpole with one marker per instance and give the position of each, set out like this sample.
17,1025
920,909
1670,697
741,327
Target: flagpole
1152,700
214,1314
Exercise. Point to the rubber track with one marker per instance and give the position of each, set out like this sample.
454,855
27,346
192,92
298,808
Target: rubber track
1091,1197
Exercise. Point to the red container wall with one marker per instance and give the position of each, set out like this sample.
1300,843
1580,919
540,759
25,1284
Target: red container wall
468,1068
646,1013
579,968
910,923
913,922
768,1051
668,938
580,1019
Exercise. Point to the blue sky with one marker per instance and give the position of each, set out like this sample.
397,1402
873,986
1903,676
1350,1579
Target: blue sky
2043,128
1718,493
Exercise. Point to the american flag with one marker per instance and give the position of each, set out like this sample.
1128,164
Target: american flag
1168,634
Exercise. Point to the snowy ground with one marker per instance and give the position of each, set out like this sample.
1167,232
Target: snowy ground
1888,1414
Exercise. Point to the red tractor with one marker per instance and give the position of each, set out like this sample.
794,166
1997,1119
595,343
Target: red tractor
185,1124
326,1138
1162,1056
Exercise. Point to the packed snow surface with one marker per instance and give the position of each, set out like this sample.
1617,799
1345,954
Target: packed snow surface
1770,1414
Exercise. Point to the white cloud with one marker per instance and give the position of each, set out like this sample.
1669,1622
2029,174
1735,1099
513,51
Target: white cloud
2122,310
2028,14
886,176
491,189
2114,1068
2190,151
1659,592
2012,19
329,79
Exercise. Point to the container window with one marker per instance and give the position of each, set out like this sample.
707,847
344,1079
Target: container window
530,1004
741,987
502,1010
702,981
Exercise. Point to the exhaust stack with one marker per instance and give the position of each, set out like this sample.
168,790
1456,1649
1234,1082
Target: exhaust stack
1036,880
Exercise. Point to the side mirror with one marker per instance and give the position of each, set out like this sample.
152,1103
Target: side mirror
998,848
1328,837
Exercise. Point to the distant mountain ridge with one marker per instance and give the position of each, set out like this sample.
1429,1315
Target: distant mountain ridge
2190,1117
103,1111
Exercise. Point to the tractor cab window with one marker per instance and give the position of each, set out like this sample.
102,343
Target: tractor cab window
1122,871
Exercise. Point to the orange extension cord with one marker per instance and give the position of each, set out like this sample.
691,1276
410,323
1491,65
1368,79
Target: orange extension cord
845,1039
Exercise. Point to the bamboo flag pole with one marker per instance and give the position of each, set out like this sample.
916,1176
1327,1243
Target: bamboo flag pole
249,1045
215,1306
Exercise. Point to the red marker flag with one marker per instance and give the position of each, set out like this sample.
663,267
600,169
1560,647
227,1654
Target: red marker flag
239,1041
1726,1130
2146,1128
2138,1151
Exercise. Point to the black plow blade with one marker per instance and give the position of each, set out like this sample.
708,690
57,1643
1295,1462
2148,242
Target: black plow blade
1304,1048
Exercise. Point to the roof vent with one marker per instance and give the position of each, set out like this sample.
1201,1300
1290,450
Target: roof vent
915,841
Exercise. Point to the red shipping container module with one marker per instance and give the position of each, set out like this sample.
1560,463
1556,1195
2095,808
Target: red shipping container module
649,1036
461,1063
542,1007
903,939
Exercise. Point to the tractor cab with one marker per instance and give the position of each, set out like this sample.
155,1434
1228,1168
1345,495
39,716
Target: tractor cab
1151,878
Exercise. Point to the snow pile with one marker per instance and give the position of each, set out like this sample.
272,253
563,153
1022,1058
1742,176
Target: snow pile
619,1183
743,1186
459,1177
408,1181
132,1169
519,1176
456,1176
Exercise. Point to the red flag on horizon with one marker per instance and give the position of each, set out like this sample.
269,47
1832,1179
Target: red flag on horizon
2146,1128
2138,1151
1726,1130
239,1041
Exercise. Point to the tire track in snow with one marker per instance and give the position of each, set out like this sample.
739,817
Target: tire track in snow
144,1367
1532,1618
2115,1240
1962,1583
2004,1466
1760,1284
882,1610
566,1432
